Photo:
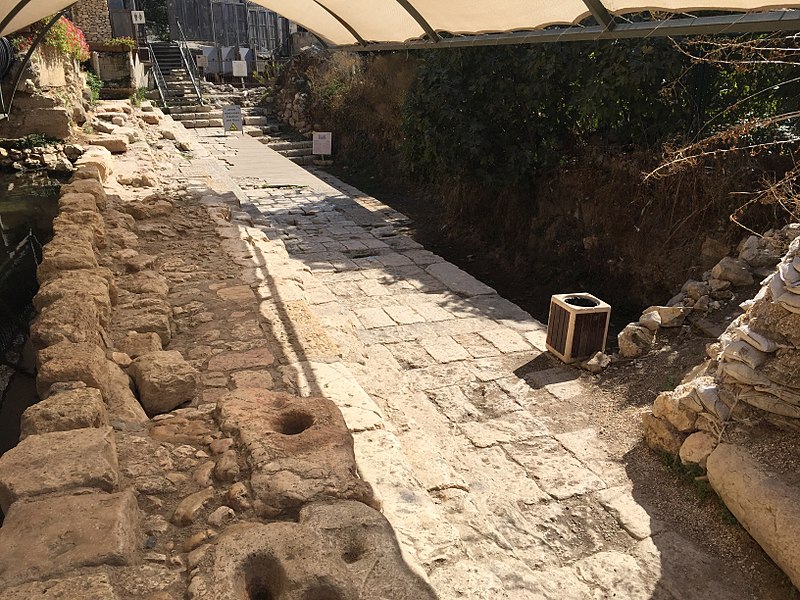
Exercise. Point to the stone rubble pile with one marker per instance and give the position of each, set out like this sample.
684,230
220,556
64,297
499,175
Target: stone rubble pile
697,300
293,109
752,376
55,158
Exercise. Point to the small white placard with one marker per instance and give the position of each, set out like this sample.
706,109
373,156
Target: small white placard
323,143
137,16
232,118
201,61
239,68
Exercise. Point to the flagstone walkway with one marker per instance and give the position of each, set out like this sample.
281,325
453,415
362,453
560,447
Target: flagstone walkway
481,446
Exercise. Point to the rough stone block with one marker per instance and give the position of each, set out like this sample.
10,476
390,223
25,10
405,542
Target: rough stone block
73,319
65,254
96,586
116,144
88,363
47,538
337,550
59,462
299,449
99,158
164,381
87,186
94,283
74,201
88,220
660,435
71,409
144,315
235,361
145,282
137,344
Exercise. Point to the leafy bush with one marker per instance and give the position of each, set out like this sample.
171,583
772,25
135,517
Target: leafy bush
139,96
121,42
95,85
65,37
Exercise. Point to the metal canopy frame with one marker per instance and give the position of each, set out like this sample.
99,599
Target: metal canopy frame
608,28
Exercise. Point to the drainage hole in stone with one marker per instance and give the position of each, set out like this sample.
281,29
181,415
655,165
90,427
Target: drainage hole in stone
295,423
264,578
353,552
322,593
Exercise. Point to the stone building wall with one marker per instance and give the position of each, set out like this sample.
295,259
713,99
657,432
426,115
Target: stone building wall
93,17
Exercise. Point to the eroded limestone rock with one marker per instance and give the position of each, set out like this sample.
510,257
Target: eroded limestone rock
67,319
299,449
164,381
38,541
337,550
70,409
763,503
59,462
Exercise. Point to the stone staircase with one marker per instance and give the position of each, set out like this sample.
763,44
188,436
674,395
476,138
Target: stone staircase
180,91
298,151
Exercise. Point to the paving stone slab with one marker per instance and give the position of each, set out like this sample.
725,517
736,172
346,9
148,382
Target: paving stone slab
557,472
38,542
59,462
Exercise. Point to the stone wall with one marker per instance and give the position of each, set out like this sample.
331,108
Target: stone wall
93,17
49,99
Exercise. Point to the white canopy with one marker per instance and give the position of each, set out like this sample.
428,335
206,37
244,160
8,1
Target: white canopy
345,22
339,22
24,13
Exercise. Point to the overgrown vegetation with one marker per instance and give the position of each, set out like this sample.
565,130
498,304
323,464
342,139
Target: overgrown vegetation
65,37
95,84
139,96
538,155
126,43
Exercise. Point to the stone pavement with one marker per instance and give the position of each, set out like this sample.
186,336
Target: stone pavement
480,446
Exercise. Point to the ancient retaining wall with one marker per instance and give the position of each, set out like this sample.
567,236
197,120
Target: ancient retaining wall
50,99
165,459
93,17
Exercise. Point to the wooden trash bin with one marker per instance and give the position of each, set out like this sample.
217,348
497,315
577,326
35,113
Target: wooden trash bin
578,326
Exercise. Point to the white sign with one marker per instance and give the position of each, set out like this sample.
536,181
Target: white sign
137,16
232,118
201,61
239,68
323,143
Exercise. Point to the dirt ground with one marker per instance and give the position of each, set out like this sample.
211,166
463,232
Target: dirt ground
629,387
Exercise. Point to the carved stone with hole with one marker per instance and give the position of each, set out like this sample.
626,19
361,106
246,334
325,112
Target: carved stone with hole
299,449
338,551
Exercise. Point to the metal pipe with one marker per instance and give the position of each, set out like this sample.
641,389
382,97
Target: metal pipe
786,20
13,13
344,23
600,13
36,42
419,19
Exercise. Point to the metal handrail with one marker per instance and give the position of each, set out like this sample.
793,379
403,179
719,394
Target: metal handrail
188,61
161,83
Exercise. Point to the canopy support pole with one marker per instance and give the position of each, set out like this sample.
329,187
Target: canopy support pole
409,8
344,23
13,13
600,13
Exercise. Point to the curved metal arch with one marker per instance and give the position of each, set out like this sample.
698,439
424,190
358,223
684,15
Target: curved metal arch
409,8
344,23
13,13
